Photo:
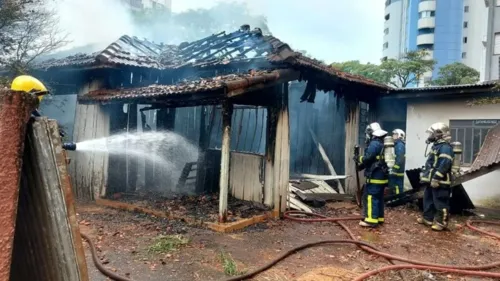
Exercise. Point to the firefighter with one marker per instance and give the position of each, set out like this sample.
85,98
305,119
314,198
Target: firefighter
29,84
376,173
396,178
436,178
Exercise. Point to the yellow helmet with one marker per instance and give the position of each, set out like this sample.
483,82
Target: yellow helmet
29,84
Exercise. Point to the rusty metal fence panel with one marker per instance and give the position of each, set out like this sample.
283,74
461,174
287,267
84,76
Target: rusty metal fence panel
47,244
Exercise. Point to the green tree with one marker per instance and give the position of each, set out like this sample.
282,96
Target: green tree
408,69
456,73
369,70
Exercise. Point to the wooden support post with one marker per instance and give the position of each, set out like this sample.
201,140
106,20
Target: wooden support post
132,160
351,139
269,157
281,152
227,113
48,245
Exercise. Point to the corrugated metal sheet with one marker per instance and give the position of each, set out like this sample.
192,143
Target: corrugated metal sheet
489,155
485,84
47,244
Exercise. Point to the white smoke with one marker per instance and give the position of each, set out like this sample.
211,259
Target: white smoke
97,22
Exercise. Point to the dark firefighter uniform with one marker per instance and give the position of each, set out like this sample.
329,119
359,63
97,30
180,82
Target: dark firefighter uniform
396,178
376,181
437,178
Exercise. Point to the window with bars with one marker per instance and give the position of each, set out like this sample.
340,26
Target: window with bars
471,133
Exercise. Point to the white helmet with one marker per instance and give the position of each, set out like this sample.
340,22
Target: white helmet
374,129
400,134
438,131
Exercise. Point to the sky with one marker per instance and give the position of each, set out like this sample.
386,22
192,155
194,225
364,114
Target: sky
329,30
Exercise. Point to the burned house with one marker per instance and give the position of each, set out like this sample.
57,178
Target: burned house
257,111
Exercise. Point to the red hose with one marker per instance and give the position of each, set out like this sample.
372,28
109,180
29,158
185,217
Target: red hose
463,270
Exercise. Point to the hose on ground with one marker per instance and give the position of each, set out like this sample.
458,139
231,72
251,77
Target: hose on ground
99,265
412,264
291,215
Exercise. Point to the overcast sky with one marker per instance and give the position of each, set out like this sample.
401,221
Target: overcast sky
331,30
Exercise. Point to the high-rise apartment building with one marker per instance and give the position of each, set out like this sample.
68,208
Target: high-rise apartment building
148,4
466,31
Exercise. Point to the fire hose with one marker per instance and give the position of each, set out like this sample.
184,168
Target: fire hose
412,264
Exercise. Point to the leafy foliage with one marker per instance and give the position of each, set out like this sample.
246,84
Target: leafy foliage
370,71
28,29
408,69
456,74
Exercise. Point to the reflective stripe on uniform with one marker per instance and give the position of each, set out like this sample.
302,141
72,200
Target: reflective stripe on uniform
396,167
381,220
439,174
397,189
369,217
398,174
375,181
446,156
360,158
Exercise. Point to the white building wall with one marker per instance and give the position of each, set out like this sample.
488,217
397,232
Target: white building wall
395,29
475,30
420,115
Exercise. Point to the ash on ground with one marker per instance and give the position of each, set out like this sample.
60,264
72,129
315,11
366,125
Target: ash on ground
199,207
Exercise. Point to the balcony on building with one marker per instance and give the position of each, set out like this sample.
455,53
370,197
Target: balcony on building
427,5
425,39
429,22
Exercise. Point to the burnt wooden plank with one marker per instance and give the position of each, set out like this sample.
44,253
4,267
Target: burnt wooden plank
304,185
309,197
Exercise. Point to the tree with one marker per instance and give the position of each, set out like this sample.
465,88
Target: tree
456,74
408,69
369,70
28,29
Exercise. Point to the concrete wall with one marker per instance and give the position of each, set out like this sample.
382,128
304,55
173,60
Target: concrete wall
492,59
475,31
395,29
420,115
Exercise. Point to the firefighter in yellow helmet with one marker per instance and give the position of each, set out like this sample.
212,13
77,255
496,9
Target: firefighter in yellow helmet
29,84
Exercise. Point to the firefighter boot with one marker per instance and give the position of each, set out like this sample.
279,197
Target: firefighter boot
438,227
424,222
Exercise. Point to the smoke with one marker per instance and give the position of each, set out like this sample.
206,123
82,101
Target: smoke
93,21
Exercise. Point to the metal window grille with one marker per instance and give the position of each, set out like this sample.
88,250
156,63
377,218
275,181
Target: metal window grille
471,133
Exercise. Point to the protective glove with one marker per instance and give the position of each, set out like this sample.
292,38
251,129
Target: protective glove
356,160
434,183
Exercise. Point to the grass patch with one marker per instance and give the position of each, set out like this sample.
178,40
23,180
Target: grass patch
165,244
228,264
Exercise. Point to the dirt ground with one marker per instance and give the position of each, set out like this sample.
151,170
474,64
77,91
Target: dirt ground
126,242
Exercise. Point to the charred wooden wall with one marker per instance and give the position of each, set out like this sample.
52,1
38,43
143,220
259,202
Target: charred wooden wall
89,170
326,118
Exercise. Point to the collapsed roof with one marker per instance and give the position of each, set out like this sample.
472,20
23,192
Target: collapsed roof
242,49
